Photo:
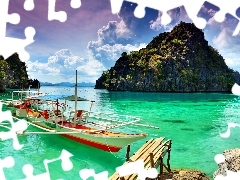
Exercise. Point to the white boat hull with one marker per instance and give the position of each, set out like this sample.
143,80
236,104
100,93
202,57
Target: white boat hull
104,140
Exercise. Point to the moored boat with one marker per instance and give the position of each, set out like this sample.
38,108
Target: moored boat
83,126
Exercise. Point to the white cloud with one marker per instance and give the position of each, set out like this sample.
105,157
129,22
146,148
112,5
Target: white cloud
228,46
157,25
61,67
113,32
112,41
108,54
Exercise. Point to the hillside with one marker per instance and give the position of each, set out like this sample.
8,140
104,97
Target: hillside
176,61
13,73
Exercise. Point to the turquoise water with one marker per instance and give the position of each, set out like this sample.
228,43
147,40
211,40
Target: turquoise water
193,122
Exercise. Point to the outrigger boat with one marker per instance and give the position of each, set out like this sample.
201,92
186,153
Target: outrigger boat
19,102
89,128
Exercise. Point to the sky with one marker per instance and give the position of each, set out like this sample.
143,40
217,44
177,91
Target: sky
93,38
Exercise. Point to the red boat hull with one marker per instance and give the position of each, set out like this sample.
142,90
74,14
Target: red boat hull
92,144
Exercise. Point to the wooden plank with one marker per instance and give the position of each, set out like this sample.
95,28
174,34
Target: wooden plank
151,147
147,161
155,147
161,153
147,144
157,155
145,157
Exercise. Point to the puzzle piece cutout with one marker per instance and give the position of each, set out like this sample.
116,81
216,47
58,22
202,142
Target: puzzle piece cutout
227,133
7,162
227,7
223,172
137,167
16,127
8,45
66,166
87,173
236,89
226,171
52,14
29,5
229,20
192,9
11,45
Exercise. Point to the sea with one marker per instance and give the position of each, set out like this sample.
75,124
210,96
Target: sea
193,121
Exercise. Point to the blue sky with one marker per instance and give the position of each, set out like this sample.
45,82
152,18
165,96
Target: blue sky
92,38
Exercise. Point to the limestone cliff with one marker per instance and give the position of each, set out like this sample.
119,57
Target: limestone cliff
13,73
176,61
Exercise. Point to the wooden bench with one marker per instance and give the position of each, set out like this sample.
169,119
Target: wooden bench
152,153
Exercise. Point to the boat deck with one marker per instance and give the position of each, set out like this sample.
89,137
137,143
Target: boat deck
100,132
152,154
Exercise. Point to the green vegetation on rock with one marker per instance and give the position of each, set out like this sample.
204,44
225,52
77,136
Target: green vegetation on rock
13,73
176,61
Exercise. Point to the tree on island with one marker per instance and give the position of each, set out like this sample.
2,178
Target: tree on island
13,74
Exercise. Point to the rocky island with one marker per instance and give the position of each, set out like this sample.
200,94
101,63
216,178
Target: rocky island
13,74
176,61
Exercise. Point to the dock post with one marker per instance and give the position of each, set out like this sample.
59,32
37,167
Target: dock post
128,152
168,158
161,165
151,159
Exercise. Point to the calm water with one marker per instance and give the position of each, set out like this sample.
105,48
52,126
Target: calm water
192,121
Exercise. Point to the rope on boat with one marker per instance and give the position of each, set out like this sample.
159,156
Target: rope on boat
49,131
118,121
123,124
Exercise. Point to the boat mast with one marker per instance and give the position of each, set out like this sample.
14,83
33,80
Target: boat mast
75,116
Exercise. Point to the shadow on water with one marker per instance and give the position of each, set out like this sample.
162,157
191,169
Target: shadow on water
187,129
174,121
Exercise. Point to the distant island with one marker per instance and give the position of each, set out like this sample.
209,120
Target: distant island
68,84
176,61
13,74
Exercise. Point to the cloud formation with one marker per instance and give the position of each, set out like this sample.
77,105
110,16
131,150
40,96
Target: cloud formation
62,65
123,33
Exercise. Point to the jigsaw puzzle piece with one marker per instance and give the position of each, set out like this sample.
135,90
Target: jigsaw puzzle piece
60,15
204,12
29,5
87,173
5,17
66,166
7,162
16,127
192,8
53,15
12,45
28,171
237,30
137,167
227,133
226,7
75,4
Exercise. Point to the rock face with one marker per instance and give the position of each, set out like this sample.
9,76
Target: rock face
176,61
185,175
13,73
231,163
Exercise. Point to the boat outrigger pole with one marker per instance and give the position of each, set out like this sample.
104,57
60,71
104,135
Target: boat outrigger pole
75,109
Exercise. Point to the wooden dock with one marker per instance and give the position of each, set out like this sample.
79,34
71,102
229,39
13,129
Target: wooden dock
152,153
